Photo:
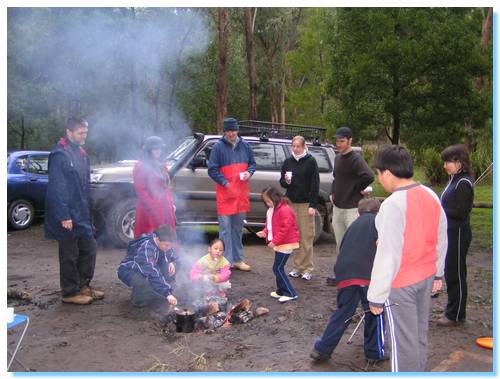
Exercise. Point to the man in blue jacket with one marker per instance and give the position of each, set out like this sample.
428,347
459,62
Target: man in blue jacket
231,166
67,214
148,267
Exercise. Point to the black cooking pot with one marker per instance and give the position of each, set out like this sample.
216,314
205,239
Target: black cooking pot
184,322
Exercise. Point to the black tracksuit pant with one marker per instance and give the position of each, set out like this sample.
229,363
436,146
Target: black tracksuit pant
76,264
455,272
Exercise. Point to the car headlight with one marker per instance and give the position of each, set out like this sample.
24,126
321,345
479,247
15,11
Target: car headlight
95,178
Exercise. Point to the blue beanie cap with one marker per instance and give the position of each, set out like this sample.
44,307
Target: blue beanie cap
230,123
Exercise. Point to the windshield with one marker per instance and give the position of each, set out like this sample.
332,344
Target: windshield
184,147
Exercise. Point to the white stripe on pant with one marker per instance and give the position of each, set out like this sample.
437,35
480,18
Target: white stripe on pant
408,324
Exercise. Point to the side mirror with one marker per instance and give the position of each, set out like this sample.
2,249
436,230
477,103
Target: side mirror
198,161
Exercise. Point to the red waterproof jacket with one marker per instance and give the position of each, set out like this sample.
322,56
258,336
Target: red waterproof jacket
155,204
285,230
226,163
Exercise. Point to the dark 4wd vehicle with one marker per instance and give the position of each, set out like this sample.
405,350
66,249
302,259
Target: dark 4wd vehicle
113,194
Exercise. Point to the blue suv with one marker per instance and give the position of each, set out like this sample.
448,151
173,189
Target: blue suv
27,179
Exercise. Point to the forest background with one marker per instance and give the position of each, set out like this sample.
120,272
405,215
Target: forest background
421,77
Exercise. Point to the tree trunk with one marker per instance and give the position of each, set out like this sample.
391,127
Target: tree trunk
479,81
223,28
252,72
22,133
396,115
282,99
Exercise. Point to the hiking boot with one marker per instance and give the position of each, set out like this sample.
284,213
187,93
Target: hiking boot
330,281
319,356
94,293
275,295
445,321
242,266
77,299
307,276
294,274
372,361
284,299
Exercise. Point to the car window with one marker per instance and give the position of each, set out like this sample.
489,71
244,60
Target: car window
266,156
38,165
22,162
280,155
321,157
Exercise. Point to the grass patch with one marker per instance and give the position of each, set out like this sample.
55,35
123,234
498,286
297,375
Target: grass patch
481,218
482,226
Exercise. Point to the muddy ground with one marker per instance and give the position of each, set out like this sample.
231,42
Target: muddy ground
112,335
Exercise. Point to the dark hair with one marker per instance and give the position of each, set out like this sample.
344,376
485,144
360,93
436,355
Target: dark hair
396,159
369,205
215,240
457,153
166,233
75,123
273,193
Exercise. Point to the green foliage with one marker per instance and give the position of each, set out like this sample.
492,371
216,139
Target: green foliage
482,156
410,69
432,164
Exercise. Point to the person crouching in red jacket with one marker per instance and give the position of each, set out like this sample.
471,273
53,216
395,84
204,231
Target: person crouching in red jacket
282,235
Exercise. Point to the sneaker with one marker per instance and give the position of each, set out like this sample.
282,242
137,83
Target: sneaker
372,361
94,293
77,299
307,276
330,281
319,356
294,274
275,295
284,299
242,266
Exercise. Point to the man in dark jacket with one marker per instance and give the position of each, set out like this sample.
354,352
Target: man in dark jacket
231,166
353,270
67,214
351,176
149,266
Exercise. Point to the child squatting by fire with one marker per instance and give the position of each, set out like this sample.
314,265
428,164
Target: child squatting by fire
282,235
213,270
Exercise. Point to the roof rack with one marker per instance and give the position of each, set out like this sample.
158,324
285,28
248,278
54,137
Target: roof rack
265,130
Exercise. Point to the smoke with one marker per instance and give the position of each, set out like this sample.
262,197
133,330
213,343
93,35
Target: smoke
119,67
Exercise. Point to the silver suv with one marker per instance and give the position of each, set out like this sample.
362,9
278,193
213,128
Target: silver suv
194,191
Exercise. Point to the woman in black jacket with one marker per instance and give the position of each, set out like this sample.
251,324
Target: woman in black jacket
457,199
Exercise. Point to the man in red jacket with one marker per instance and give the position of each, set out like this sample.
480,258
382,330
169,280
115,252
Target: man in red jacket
231,165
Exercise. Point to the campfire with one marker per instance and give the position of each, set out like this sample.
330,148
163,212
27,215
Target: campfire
211,314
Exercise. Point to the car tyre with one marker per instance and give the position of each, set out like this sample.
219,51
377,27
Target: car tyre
318,226
120,223
20,214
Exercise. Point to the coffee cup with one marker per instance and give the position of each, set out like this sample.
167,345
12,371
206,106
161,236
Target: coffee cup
288,175
368,189
242,176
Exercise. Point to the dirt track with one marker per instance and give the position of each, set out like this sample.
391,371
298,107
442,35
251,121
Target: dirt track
112,335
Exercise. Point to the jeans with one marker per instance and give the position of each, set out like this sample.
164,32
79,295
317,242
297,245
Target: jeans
348,299
283,286
76,264
142,293
231,232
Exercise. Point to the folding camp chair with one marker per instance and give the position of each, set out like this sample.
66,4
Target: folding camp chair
18,320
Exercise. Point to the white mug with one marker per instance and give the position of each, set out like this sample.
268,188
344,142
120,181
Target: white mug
10,314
